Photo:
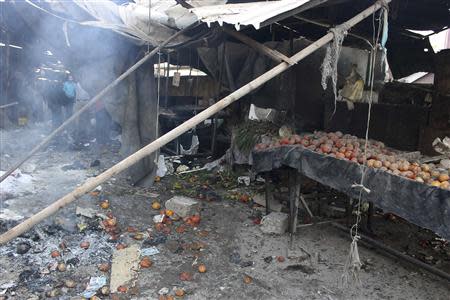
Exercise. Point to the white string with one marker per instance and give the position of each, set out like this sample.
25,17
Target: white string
353,263
363,167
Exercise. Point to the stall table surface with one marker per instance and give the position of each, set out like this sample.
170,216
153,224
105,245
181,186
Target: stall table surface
421,204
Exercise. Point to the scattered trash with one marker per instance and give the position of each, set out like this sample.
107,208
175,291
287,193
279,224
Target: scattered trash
163,291
82,227
268,259
161,171
244,180
194,146
158,218
95,283
182,168
149,251
155,240
5,287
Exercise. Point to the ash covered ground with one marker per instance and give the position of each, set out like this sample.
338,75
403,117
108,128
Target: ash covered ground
241,261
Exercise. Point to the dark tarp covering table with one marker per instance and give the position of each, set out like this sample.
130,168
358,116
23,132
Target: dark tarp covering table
420,204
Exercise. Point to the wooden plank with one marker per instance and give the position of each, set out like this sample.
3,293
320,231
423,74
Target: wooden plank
273,54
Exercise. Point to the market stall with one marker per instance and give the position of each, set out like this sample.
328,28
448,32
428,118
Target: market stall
417,193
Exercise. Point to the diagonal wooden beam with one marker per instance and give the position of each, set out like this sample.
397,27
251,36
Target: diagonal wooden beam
177,131
274,54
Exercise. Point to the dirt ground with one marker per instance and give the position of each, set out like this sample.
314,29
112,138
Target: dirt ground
228,240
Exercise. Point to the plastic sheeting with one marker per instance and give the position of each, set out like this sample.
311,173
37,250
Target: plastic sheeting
420,204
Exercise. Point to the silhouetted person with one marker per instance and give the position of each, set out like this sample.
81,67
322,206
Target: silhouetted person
70,93
54,97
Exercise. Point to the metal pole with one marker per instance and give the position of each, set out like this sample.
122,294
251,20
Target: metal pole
396,253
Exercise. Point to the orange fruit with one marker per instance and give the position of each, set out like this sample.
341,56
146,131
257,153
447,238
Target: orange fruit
103,267
104,204
436,183
85,245
169,212
55,253
179,292
156,205
121,246
185,276
247,279
443,177
146,263
202,268
111,222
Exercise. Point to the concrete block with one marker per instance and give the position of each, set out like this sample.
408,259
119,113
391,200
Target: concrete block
275,222
183,206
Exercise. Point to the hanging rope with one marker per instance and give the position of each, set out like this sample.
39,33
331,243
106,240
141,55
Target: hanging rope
353,263
330,62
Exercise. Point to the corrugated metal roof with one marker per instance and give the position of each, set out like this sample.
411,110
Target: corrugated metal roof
257,14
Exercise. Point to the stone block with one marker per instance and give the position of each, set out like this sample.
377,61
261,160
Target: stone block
275,222
182,206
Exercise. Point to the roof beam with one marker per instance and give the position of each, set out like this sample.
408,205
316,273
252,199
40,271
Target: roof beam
325,25
273,54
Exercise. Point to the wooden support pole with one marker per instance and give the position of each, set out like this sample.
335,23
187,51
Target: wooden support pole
273,54
177,131
294,197
91,103
268,192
